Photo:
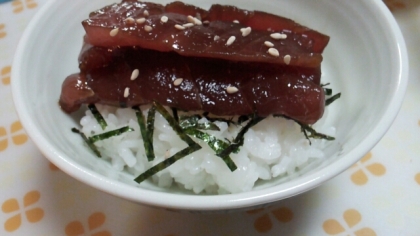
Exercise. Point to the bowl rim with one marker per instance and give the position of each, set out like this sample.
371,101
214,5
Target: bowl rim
213,202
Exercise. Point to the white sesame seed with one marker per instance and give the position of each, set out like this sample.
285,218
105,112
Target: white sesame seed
114,32
230,40
188,25
148,28
141,20
287,59
190,19
232,89
194,20
180,27
126,92
236,21
164,19
134,74
246,31
268,44
273,52
197,21
178,81
146,13
129,20
278,36
206,22
216,37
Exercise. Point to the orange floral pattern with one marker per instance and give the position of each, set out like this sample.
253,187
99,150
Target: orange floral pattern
33,214
5,72
359,177
417,178
17,135
95,223
264,223
352,218
2,31
19,5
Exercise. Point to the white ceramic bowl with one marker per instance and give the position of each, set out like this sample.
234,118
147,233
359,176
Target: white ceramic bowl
366,60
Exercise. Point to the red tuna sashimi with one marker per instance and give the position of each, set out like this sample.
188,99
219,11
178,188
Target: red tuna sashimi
265,21
262,89
205,40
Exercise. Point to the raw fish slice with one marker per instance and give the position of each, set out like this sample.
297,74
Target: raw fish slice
262,89
209,40
263,21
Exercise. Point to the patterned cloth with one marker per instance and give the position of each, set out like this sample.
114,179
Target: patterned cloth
377,196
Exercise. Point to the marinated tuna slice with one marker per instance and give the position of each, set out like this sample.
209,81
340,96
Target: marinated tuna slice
132,76
75,91
92,57
152,26
263,21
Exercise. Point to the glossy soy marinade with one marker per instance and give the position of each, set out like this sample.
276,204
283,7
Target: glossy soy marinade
191,31
190,83
192,59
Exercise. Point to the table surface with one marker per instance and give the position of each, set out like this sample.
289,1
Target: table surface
380,195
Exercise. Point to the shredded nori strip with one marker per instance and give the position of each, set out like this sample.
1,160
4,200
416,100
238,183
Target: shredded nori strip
175,114
110,134
313,133
88,142
242,119
228,121
307,128
172,122
328,91
150,126
332,99
145,134
188,122
98,116
166,163
192,146
216,144
239,139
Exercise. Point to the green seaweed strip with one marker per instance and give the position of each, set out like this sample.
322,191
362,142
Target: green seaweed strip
191,127
164,164
328,91
188,122
174,124
175,114
150,127
239,139
217,145
192,146
148,144
242,119
110,134
88,142
307,128
228,121
332,99
313,133
98,116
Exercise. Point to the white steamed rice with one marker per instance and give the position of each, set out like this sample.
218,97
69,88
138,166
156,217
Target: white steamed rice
274,148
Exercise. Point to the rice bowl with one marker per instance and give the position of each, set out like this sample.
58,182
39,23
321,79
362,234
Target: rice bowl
359,122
